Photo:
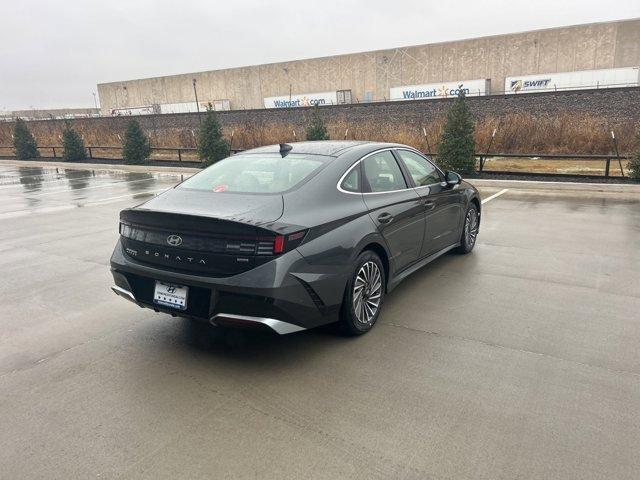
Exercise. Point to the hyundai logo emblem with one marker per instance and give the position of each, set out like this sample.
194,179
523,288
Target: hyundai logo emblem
174,240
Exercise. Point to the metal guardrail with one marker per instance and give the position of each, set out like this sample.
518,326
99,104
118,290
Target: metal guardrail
482,157
607,159
178,150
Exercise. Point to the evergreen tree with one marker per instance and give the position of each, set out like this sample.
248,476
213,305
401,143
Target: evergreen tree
317,129
23,142
211,144
73,144
634,163
136,146
457,144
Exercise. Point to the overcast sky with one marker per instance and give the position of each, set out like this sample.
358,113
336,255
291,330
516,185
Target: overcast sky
53,53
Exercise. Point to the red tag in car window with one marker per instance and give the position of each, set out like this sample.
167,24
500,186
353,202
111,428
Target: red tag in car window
220,188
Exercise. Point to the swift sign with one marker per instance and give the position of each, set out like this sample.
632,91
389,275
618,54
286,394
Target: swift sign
301,100
440,90
544,82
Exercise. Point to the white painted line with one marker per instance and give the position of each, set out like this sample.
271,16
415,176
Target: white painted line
61,178
495,195
24,213
102,185
94,203
143,193
7,186
51,181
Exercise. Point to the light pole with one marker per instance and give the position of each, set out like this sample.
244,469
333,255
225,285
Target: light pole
195,92
125,96
615,144
286,70
95,100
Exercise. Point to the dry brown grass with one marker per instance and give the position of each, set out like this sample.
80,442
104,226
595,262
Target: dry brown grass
250,135
568,167
583,134
516,133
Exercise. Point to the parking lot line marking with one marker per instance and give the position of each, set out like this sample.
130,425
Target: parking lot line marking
104,201
93,203
102,185
73,181
24,213
504,190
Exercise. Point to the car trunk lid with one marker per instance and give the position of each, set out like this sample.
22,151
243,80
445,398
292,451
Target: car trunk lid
202,232
246,208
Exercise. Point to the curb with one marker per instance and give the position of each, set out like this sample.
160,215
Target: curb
101,166
477,182
559,186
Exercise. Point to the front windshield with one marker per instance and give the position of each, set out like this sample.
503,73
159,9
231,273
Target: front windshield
256,173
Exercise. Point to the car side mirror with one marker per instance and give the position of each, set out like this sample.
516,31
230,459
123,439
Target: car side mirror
452,178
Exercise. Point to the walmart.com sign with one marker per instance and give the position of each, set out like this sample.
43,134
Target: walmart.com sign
301,100
439,90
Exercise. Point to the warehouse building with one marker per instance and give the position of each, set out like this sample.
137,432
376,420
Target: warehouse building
599,55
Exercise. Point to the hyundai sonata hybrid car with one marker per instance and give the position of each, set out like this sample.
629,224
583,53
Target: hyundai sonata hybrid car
293,236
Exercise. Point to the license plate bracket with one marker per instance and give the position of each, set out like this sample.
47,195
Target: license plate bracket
171,295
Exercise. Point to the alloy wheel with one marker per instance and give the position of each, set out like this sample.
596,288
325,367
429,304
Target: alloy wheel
367,292
471,227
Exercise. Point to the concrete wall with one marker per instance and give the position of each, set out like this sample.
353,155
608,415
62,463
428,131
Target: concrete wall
582,47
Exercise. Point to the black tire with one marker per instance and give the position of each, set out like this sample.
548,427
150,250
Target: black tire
470,228
358,317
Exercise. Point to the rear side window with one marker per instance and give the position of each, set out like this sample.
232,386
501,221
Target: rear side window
265,173
421,170
382,173
351,182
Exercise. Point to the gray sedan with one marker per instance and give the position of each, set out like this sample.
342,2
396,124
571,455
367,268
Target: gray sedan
293,236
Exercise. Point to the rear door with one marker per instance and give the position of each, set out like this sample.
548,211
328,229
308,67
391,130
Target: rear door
442,204
395,208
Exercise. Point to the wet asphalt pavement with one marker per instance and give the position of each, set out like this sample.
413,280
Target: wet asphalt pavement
521,360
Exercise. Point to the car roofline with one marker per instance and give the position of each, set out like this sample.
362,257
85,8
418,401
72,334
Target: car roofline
340,149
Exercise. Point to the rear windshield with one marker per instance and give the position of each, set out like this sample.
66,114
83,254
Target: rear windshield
256,173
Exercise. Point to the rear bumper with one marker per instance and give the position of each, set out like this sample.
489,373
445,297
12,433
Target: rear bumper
227,319
284,295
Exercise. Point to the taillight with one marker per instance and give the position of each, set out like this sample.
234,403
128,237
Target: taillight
285,243
278,244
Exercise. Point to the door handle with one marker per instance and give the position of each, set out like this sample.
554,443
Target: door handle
385,217
429,204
